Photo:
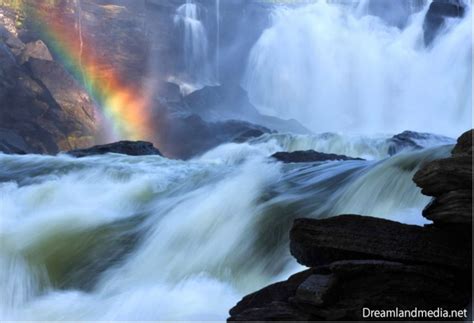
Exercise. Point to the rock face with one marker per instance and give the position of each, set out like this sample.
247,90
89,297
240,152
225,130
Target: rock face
42,108
36,49
450,182
309,156
131,148
362,262
437,14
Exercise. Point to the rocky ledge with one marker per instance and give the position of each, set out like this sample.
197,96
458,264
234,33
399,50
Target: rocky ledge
131,148
359,262
309,156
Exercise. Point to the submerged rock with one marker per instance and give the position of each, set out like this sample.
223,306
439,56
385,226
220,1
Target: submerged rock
309,156
131,148
436,16
412,140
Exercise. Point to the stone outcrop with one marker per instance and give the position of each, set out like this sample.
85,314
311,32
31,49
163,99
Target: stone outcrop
349,237
309,156
131,148
42,108
449,181
363,262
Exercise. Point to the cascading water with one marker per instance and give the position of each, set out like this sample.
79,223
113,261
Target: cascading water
139,238
197,66
334,69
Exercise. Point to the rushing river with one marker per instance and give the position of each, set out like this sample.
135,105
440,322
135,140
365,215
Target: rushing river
140,238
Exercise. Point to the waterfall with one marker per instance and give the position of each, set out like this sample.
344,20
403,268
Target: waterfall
334,69
197,67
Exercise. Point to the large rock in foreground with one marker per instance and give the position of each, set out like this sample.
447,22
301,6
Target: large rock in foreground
131,148
352,237
309,156
341,290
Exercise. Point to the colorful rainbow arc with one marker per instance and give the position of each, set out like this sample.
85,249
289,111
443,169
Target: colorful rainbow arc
123,106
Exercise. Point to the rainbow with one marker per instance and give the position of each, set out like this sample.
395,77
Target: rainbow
125,107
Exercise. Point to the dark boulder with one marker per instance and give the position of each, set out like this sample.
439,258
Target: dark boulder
450,182
436,16
445,175
348,237
131,148
271,303
464,144
340,291
185,135
451,207
309,156
411,140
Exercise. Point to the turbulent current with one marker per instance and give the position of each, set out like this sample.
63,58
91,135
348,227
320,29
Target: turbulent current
140,238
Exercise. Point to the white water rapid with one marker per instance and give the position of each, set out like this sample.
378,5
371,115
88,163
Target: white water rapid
146,238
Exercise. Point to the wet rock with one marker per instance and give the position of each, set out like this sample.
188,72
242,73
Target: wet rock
450,182
131,148
464,144
436,16
342,289
187,135
315,290
346,237
271,302
451,207
411,140
445,175
309,156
